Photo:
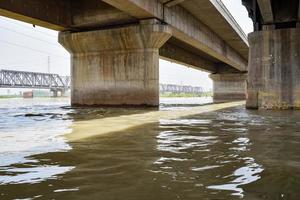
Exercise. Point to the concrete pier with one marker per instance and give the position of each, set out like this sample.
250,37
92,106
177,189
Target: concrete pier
115,44
274,55
229,87
54,93
274,69
116,67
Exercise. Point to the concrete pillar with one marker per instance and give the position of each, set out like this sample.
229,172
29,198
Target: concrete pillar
118,66
62,93
229,87
54,93
274,69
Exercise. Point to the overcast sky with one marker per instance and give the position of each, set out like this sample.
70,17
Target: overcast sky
26,48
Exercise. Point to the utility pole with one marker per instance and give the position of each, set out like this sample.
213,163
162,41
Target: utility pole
49,64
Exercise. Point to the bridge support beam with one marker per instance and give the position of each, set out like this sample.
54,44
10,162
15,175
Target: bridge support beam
116,67
274,69
229,87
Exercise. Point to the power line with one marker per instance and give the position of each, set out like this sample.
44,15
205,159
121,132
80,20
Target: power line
10,67
24,26
29,36
34,63
28,48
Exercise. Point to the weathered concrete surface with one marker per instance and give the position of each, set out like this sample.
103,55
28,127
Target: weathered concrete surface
91,14
229,87
274,60
179,55
118,66
201,24
274,69
52,14
275,14
265,7
216,16
188,28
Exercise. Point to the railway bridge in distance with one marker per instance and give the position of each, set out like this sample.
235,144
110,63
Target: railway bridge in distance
56,83
34,80
115,45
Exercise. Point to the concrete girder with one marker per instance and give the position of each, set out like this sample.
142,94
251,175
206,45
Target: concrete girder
88,15
140,9
171,3
265,7
181,56
64,15
52,14
185,27
189,29
229,87
95,13
299,11
281,13
221,22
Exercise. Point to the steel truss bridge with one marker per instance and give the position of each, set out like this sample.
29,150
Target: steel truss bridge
180,89
54,82
22,79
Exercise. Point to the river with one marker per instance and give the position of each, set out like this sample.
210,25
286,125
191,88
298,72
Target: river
49,150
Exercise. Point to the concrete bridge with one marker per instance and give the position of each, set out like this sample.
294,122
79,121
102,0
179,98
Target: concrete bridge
115,45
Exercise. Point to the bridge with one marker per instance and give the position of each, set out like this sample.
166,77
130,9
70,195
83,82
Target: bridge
54,82
180,89
115,46
22,79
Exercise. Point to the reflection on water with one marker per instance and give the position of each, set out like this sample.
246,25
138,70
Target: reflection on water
29,128
31,175
231,153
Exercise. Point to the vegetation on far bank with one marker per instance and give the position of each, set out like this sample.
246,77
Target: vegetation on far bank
9,96
169,94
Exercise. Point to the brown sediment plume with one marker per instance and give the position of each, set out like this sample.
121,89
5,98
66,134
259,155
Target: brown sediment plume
96,127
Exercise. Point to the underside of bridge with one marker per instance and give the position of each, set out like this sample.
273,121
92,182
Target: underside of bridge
274,61
115,45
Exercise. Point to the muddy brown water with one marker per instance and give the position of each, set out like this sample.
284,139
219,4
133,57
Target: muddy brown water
184,151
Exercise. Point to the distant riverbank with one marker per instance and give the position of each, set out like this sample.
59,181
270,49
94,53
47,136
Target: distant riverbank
164,95
9,96
169,94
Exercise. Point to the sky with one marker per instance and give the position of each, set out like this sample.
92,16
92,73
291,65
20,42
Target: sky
27,48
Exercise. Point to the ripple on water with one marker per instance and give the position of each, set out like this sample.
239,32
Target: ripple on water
183,141
27,131
34,174
226,154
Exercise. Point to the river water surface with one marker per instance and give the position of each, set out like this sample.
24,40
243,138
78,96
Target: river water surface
49,150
